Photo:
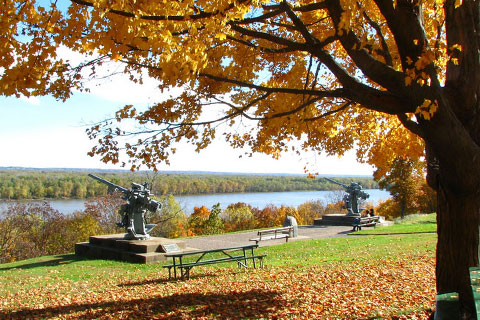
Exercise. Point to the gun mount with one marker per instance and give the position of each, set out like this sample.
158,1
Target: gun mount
351,199
133,212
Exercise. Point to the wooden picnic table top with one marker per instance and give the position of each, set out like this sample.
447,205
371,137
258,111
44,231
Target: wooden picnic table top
187,253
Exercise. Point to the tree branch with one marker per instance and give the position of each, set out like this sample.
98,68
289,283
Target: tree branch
328,113
299,24
201,15
410,125
262,49
266,36
385,52
375,70
337,93
261,18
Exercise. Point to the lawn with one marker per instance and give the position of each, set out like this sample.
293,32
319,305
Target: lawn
368,277
415,223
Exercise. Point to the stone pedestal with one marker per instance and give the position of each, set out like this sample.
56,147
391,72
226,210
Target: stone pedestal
335,220
115,247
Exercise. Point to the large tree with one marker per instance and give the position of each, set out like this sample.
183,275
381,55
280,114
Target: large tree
385,77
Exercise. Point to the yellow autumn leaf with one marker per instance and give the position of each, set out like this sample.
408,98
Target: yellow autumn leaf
221,36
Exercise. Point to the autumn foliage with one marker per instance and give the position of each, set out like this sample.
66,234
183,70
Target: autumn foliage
35,229
399,287
387,78
410,193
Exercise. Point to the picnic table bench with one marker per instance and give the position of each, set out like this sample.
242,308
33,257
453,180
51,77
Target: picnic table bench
360,222
276,233
240,254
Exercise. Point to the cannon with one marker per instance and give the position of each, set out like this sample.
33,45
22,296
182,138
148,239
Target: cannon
133,212
354,193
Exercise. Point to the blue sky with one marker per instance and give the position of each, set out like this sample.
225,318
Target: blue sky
45,133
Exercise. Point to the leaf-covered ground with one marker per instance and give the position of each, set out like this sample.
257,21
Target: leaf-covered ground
400,287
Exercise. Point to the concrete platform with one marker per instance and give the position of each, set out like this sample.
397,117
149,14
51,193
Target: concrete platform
115,247
335,220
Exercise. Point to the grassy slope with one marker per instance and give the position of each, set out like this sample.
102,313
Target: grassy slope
415,223
361,268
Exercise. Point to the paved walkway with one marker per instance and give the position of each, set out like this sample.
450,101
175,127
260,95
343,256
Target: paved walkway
242,238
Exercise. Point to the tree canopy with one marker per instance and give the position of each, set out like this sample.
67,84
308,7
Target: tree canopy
385,77
300,70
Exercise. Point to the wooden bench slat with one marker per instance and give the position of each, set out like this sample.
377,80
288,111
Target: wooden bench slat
272,234
365,222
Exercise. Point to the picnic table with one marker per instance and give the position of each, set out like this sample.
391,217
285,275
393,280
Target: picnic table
239,254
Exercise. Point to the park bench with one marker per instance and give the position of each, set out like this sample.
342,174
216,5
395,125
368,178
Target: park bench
448,305
475,284
240,254
271,234
360,222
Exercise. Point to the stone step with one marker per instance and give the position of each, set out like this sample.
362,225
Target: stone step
154,244
114,247
91,251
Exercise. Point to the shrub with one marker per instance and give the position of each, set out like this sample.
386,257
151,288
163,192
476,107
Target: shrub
171,221
237,218
105,209
311,210
203,221
270,216
34,229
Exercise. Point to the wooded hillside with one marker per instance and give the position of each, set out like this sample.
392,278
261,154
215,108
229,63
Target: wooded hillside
33,184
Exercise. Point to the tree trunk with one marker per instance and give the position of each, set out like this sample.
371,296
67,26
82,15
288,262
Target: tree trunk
402,208
453,170
457,247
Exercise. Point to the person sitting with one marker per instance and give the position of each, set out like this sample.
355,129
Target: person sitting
372,213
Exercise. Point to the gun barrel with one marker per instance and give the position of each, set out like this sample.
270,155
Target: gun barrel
333,181
108,183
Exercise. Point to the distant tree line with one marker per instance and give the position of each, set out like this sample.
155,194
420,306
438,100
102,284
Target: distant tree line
36,184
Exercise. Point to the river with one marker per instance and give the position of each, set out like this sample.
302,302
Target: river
258,199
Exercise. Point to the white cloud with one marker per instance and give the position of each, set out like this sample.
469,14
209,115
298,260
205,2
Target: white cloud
112,84
67,147
220,157
54,148
30,100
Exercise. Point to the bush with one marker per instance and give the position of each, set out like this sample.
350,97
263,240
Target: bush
203,221
270,216
389,209
311,210
171,221
104,209
34,229
238,217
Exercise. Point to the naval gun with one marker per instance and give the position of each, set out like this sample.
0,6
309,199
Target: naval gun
354,193
133,212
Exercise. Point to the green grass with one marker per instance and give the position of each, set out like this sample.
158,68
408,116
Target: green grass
49,270
349,250
67,286
414,223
